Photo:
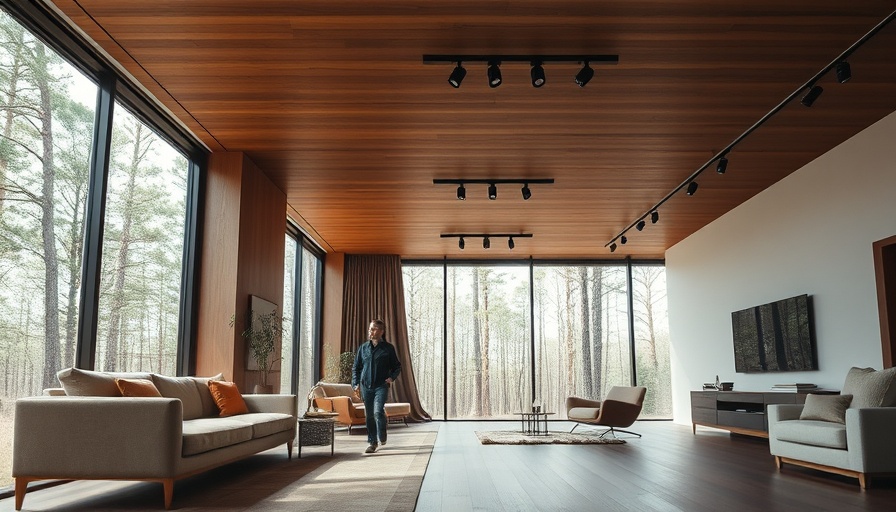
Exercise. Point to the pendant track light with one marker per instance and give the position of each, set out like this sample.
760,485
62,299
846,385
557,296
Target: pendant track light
461,192
812,95
526,192
692,188
537,74
654,217
722,166
493,185
640,225
613,247
843,72
492,192
494,74
623,240
457,76
460,243
486,243
584,75
486,238
510,244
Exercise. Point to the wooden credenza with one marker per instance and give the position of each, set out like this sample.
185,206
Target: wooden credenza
740,412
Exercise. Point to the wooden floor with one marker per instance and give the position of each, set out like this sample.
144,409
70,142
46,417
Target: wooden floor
668,469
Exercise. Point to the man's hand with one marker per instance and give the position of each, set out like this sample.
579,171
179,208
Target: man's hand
389,380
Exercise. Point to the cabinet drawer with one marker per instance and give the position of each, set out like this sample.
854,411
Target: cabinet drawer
702,415
753,421
707,400
736,396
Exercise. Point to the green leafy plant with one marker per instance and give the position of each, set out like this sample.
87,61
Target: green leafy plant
262,336
340,369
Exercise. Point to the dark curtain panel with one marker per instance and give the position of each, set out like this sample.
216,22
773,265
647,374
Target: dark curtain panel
374,289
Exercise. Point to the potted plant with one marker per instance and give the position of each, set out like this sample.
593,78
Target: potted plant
262,336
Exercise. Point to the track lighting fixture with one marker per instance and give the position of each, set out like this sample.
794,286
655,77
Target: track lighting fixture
584,75
536,62
537,74
722,166
843,72
457,76
493,185
623,240
494,74
812,95
640,225
486,238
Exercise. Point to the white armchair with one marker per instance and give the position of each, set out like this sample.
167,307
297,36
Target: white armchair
862,445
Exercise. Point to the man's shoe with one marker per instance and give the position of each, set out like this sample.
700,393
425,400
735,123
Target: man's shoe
370,449
382,443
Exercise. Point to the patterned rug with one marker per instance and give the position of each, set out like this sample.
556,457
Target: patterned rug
514,437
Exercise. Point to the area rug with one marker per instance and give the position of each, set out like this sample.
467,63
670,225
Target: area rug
513,437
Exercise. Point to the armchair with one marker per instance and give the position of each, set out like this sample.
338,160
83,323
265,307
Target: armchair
342,399
620,408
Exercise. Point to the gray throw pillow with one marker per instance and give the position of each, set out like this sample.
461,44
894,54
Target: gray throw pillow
871,388
182,388
826,408
77,382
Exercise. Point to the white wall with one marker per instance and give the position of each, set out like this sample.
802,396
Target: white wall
809,233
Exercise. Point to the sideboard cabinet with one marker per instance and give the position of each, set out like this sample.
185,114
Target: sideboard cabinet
740,412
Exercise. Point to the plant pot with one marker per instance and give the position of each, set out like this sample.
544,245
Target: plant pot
261,389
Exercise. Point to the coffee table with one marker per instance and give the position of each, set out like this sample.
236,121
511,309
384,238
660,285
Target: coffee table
316,431
534,423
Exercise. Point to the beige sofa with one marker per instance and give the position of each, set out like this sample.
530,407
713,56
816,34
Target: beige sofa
95,436
342,399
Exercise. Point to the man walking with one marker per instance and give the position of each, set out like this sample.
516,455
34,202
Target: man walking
376,367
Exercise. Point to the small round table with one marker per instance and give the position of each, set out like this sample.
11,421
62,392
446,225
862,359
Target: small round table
317,430
534,423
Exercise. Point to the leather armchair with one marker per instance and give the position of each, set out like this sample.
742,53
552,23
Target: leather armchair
620,408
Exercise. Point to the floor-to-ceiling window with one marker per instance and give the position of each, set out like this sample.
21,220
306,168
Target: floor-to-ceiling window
472,330
303,272
97,211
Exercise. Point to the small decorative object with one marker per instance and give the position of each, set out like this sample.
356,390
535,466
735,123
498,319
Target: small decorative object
536,405
726,386
262,335
718,384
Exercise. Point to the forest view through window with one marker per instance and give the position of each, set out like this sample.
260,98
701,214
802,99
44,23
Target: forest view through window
478,335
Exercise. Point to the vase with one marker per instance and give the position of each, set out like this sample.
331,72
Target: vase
264,389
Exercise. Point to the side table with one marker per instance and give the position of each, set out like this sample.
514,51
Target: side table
534,423
316,432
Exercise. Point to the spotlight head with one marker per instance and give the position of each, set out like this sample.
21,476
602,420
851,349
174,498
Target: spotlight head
584,75
692,187
654,216
494,74
457,76
722,166
492,191
486,243
461,192
623,240
460,243
843,72
641,224
510,243
613,247
537,74
526,192
812,95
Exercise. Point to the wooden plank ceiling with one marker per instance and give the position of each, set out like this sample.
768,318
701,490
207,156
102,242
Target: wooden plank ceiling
333,102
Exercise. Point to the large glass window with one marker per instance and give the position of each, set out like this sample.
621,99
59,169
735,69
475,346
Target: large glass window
301,316
469,331
143,244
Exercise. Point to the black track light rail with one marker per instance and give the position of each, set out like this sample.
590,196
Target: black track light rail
724,152
485,235
496,181
591,59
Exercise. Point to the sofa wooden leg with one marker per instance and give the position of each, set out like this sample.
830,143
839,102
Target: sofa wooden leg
289,449
21,489
778,462
863,482
168,486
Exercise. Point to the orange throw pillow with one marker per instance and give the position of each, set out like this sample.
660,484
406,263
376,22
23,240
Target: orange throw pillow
137,387
227,397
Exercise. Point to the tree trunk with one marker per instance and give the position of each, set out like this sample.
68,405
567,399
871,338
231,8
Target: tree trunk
477,352
486,381
585,341
597,329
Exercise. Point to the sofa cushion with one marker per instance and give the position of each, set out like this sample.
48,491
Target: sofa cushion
826,408
77,382
228,398
583,413
136,387
870,388
397,409
205,434
266,423
182,388
331,389
811,432
209,407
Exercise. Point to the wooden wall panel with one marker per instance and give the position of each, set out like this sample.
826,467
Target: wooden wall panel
331,332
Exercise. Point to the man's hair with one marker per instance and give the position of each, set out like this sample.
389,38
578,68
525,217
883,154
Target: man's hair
379,323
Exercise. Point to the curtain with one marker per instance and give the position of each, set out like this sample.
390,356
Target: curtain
373,288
